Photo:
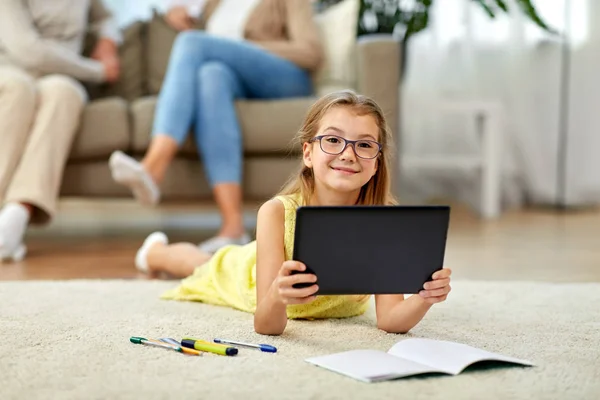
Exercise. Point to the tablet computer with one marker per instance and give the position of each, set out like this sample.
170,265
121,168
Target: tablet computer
371,249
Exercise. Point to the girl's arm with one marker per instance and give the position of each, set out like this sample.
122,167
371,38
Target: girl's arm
270,317
397,315
274,279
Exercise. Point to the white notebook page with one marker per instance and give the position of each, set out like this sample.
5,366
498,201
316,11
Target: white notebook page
448,356
369,365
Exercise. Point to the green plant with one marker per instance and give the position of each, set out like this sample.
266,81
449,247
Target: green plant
412,16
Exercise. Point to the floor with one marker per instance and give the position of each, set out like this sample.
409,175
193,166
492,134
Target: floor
98,239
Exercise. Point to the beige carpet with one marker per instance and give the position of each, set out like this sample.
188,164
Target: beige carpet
71,340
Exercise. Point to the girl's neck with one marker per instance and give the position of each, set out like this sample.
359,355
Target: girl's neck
329,198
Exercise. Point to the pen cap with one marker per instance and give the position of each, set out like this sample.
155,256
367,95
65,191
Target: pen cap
267,348
189,343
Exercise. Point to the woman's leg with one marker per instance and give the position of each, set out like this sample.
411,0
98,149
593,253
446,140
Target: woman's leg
33,192
38,154
173,118
258,73
37,180
231,70
176,107
219,142
263,74
17,111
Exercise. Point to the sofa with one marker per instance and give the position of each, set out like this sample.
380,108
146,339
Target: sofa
119,116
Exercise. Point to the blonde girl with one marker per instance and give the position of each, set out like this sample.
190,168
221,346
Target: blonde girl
346,148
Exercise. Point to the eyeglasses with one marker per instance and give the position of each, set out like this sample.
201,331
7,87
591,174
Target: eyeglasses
332,144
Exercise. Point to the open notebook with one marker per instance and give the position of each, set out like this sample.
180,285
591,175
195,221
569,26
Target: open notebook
407,358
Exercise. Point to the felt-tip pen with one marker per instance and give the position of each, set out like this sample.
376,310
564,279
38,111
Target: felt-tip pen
262,347
156,343
202,345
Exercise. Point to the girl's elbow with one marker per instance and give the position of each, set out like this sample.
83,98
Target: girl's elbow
388,328
265,329
269,332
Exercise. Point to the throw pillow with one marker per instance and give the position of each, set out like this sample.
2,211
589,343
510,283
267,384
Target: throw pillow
338,28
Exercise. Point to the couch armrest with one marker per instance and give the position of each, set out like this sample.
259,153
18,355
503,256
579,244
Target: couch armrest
378,76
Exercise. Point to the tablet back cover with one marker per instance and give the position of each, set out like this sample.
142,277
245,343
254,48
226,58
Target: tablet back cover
371,249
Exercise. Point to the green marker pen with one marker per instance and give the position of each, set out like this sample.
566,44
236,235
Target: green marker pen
210,347
156,343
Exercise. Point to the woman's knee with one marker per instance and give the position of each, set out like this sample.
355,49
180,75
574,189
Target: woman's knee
214,70
187,42
62,88
217,76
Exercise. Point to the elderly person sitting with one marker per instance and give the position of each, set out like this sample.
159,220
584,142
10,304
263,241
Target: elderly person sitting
41,99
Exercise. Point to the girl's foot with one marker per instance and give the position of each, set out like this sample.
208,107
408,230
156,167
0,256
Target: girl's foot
141,257
14,218
178,260
131,173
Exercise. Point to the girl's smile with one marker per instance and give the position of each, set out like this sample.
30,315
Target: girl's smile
345,170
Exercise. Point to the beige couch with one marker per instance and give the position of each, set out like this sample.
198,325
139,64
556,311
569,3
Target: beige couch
120,118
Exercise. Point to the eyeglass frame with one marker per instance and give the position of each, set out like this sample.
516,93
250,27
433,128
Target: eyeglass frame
346,143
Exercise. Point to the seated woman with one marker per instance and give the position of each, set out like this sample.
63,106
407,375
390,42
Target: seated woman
252,49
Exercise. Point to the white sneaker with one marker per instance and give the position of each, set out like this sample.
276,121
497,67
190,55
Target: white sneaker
211,245
141,257
130,172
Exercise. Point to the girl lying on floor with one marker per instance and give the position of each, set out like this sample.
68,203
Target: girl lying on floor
345,161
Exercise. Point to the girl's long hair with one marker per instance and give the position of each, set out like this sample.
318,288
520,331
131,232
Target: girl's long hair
375,192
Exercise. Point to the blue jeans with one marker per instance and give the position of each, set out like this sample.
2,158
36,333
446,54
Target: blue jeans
206,74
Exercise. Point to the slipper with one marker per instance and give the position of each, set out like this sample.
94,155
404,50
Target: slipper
128,171
16,254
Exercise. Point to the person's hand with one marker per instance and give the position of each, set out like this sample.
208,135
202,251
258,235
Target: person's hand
284,282
111,69
179,19
106,53
436,290
104,48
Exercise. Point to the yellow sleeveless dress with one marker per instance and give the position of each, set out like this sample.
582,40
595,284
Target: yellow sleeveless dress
229,279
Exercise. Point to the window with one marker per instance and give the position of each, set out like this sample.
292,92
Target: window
455,19
129,11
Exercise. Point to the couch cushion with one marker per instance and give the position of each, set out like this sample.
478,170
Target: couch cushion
104,128
263,177
271,125
267,126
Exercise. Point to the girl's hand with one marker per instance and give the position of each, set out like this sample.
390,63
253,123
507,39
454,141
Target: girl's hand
437,290
285,280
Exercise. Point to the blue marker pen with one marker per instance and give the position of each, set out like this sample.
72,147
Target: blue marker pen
263,347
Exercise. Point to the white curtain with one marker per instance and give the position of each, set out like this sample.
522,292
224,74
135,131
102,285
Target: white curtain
464,54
